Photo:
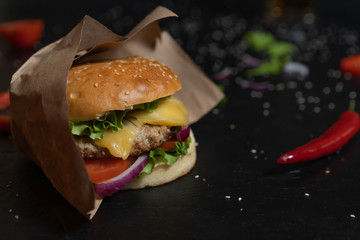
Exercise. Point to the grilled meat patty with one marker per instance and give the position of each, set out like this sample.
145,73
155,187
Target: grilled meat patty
149,137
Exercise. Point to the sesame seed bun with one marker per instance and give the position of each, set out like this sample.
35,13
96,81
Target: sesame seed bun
96,88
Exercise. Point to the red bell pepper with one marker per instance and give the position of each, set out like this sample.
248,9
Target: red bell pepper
4,100
22,34
351,65
5,124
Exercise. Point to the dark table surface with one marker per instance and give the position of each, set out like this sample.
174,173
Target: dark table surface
236,190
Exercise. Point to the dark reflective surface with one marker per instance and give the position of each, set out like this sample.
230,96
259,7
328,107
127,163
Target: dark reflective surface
236,188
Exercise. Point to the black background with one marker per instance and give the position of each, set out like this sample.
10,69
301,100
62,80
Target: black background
236,190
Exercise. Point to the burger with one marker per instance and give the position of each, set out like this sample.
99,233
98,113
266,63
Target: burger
129,129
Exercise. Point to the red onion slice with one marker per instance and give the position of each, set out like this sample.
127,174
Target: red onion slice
257,86
222,75
115,184
183,134
251,61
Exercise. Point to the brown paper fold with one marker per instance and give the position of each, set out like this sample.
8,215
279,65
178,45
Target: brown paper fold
40,121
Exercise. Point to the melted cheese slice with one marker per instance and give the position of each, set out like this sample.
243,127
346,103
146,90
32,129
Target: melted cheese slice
170,112
119,143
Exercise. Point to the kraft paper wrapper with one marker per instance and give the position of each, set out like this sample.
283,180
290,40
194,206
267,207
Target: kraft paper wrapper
39,109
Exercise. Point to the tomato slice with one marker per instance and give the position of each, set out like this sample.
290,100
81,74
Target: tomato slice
101,170
4,123
4,100
22,33
168,145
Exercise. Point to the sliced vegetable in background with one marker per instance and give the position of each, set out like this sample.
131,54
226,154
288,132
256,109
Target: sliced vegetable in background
5,112
22,34
272,67
351,65
5,124
277,53
259,40
280,49
4,100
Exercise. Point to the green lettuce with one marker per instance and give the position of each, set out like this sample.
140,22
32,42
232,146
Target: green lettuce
159,155
113,121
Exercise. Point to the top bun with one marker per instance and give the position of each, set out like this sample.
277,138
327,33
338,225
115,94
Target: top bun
95,88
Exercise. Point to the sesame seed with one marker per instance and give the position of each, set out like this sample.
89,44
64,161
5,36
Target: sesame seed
352,216
119,65
74,95
123,70
127,93
170,76
96,85
227,197
239,199
307,195
99,75
197,176
78,79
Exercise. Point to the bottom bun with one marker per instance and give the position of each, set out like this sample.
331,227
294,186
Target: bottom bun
164,173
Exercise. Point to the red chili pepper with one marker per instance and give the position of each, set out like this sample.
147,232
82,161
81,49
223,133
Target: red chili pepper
331,140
